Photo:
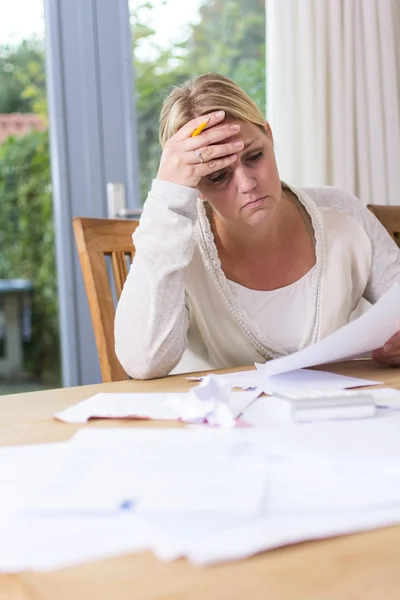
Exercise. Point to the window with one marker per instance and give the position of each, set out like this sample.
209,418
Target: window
176,40
29,344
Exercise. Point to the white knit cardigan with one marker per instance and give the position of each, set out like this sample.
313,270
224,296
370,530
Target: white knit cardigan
178,312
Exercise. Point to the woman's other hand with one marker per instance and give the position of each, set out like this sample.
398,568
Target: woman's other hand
186,159
389,354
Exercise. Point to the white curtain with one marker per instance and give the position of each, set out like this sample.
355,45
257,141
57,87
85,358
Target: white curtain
333,94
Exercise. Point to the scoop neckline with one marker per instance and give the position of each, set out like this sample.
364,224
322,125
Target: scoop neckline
276,290
257,336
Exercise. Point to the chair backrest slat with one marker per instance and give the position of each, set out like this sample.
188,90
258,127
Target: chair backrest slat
120,271
97,239
389,216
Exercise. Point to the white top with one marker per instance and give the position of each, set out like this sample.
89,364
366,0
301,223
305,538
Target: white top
270,310
177,310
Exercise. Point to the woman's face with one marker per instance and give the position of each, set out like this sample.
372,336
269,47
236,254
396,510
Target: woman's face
248,191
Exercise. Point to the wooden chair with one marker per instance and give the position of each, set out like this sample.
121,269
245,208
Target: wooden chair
97,239
389,216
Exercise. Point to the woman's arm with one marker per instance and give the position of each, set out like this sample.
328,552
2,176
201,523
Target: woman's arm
385,255
385,267
151,320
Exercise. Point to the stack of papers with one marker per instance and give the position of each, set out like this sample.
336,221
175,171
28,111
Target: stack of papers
205,494
162,469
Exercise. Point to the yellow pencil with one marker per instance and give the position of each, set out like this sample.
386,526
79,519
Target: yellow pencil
200,128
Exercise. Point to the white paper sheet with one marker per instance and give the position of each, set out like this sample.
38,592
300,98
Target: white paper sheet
302,502
192,472
246,380
142,406
22,469
369,440
112,436
368,332
119,406
309,379
243,540
349,452
208,402
298,379
211,402
46,543
317,478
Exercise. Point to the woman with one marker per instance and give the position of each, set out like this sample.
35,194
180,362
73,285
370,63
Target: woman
232,266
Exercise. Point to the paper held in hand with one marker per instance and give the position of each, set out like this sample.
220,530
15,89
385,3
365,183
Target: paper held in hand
368,332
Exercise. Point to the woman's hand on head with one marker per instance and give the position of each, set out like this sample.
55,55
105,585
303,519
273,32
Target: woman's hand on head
389,354
186,159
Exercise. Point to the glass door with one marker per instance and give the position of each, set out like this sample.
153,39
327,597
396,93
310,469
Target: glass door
176,40
29,337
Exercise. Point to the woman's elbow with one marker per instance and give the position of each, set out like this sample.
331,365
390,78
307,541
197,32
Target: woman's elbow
137,368
143,357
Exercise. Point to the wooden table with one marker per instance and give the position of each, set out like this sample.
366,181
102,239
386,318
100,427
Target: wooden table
355,567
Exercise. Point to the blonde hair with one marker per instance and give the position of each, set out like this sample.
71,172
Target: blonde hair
206,94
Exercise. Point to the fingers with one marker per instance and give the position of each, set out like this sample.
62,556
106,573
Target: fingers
216,164
210,153
211,136
186,131
383,359
185,168
389,354
182,165
393,342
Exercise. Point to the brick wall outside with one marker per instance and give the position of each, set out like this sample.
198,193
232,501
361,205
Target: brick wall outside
18,124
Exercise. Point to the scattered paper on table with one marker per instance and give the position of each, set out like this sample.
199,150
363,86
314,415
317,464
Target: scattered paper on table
47,542
242,540
119,406
245,380
207,402
368,332
299,379
22,469
369,440
211,401
170,472
209,495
